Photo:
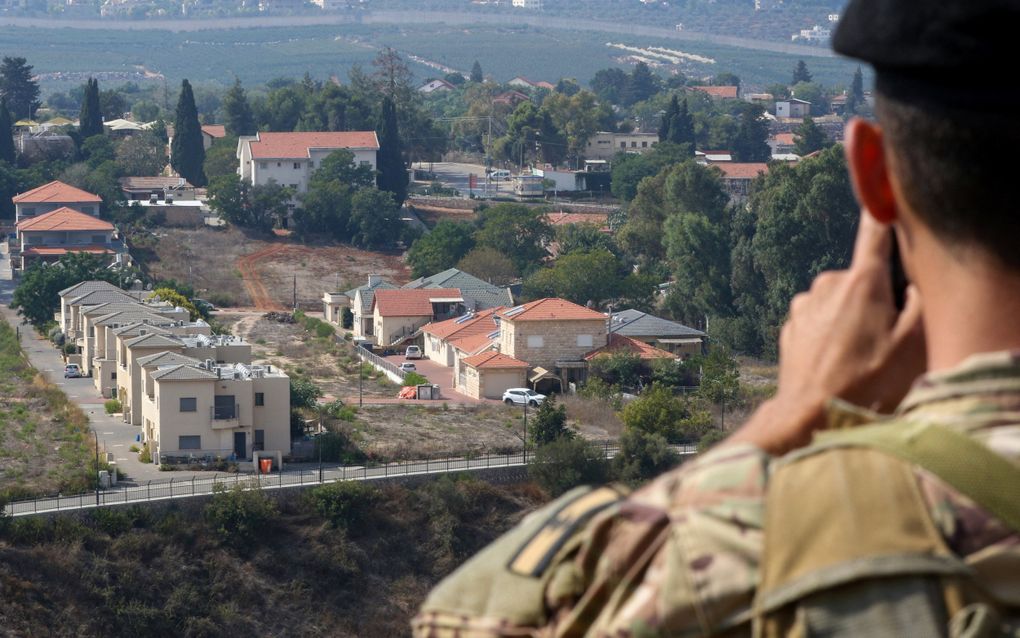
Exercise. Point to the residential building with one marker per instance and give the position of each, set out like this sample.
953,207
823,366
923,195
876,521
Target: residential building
434,86
398,315
49,236
737,177
782,143
477,294
50,197
553,336
663,334
527,4
85,316
489,374
718,92
201,410
604,145
144,188
510,98
814,35
440,337
619,344
525,83
793,109
70,300
359,300
211,133
289,159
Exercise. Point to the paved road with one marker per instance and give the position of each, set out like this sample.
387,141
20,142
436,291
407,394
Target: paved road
456,175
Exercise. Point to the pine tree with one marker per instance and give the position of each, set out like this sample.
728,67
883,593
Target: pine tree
641,85
801,73
476,73
90,119
809,138
681,128
392,174
855,98
750,144
187,151
17,85
667,118
239,118
6,135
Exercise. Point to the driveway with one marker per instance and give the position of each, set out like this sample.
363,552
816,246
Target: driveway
440,375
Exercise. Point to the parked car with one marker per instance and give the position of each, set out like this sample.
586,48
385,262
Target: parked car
521,396
412,352
72,371
499,174
407,367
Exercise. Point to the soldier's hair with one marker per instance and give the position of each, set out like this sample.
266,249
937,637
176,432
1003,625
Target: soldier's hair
955,175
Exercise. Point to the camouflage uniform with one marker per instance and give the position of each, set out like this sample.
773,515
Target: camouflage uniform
683,555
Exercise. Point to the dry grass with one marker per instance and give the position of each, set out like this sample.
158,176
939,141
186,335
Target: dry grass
593,418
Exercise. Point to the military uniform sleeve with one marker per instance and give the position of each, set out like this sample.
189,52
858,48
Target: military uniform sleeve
678,557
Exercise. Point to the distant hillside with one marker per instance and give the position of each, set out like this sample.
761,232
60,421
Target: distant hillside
342,560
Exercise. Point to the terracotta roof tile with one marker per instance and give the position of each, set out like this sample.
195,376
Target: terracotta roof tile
725,92
296,145
784,138
619,343
64,219
460,327
742,170
58,192
494,360
405,302
473,343
214,130
550,309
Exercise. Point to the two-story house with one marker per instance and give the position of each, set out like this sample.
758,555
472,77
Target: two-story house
49,236
398,315
359,300
289,159
74,299
206,410
50,197
663,334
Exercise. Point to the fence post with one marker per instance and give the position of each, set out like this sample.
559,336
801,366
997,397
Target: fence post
171,487
192,485
280,474
148,491
386,470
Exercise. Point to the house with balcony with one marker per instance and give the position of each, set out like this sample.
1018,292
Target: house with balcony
289,159
85,335
675,338
53,196
100,356
359,300
49,236
208,410
87,294
398,315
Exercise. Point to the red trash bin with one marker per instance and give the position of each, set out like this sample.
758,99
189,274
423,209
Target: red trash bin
266,465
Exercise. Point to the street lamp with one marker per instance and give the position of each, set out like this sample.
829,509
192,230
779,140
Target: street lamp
319,441
525,430
96,434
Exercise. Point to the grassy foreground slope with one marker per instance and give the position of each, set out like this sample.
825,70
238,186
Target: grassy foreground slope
340,560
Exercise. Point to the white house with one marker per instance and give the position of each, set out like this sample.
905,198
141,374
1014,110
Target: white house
793,108
289,159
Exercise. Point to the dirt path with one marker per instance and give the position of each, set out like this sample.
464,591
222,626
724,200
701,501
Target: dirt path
248,265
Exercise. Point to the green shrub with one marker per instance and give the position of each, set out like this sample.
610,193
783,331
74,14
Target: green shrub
113,406
112,520
549,424
709,439
133,448
344,504
567,463
324,330
145,456
642,456
413,378
70,348
239,515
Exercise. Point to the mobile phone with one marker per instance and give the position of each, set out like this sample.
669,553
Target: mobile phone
897,275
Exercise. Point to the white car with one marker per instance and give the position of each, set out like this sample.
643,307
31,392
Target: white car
522,396
407,366
412,352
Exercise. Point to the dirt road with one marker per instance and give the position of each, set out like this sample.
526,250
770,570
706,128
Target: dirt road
248,265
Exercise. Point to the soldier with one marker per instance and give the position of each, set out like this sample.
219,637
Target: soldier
820,516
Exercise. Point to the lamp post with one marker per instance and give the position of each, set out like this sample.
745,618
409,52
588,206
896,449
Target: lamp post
319,442
96,434
525,430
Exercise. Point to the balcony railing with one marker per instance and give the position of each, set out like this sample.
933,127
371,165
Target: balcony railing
225,416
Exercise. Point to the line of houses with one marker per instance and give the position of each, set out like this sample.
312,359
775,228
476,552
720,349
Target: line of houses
195,394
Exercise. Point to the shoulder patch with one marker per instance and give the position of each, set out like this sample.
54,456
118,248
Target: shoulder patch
534,556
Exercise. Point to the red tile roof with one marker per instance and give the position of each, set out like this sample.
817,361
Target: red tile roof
784,138
460,327
494,360
550,309
620,344
742,170
296,145
64,219
413,302
45,251
58,192
473,343
724,92
214,130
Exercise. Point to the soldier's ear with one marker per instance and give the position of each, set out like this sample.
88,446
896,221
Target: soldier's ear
869,170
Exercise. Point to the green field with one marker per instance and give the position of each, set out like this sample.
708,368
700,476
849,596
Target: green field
256,55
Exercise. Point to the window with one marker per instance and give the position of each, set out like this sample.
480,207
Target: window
189,442
644,144
279,164
189,404
99,239
584,341
113,376
535,341
263,165
623,144
260,399
365,163
27,211
633,144
260,440
297,166
294,186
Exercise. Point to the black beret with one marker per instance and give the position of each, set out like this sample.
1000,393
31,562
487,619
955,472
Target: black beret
956,54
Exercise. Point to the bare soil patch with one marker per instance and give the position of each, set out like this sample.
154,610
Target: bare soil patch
432,215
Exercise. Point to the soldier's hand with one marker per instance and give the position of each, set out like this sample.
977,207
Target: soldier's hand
844,338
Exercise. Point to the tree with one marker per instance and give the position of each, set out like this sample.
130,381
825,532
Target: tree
623,369
609,85
488,264
667,118
18,87
476,73
519,232
855,97
549,424
141,154
580,277
751,142
256,207
36,298
641,85
221,158
112,104
725,79
392,172
681,127
7,151
237,115
720,379
809,138
567,463
642,456
456,79
90,119
800,73
658,411
178,299
440,249
392,78
814,93
303,393
375,218
572,238
326,207
187,152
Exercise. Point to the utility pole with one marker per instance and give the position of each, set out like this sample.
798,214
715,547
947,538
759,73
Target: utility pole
525,431
319,442
96,434
295,292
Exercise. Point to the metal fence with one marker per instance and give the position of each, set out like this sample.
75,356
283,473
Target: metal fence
198,486
379,362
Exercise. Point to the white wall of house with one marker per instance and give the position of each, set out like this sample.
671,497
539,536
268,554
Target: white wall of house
34,209
30,238
295,172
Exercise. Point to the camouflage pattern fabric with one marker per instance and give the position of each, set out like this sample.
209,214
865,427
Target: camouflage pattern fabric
681,556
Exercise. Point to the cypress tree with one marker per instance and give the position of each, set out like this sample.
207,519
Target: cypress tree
6,135
392,174
801,73
90,119
681,127
855,98
239,118
476,73
667,119
186,150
